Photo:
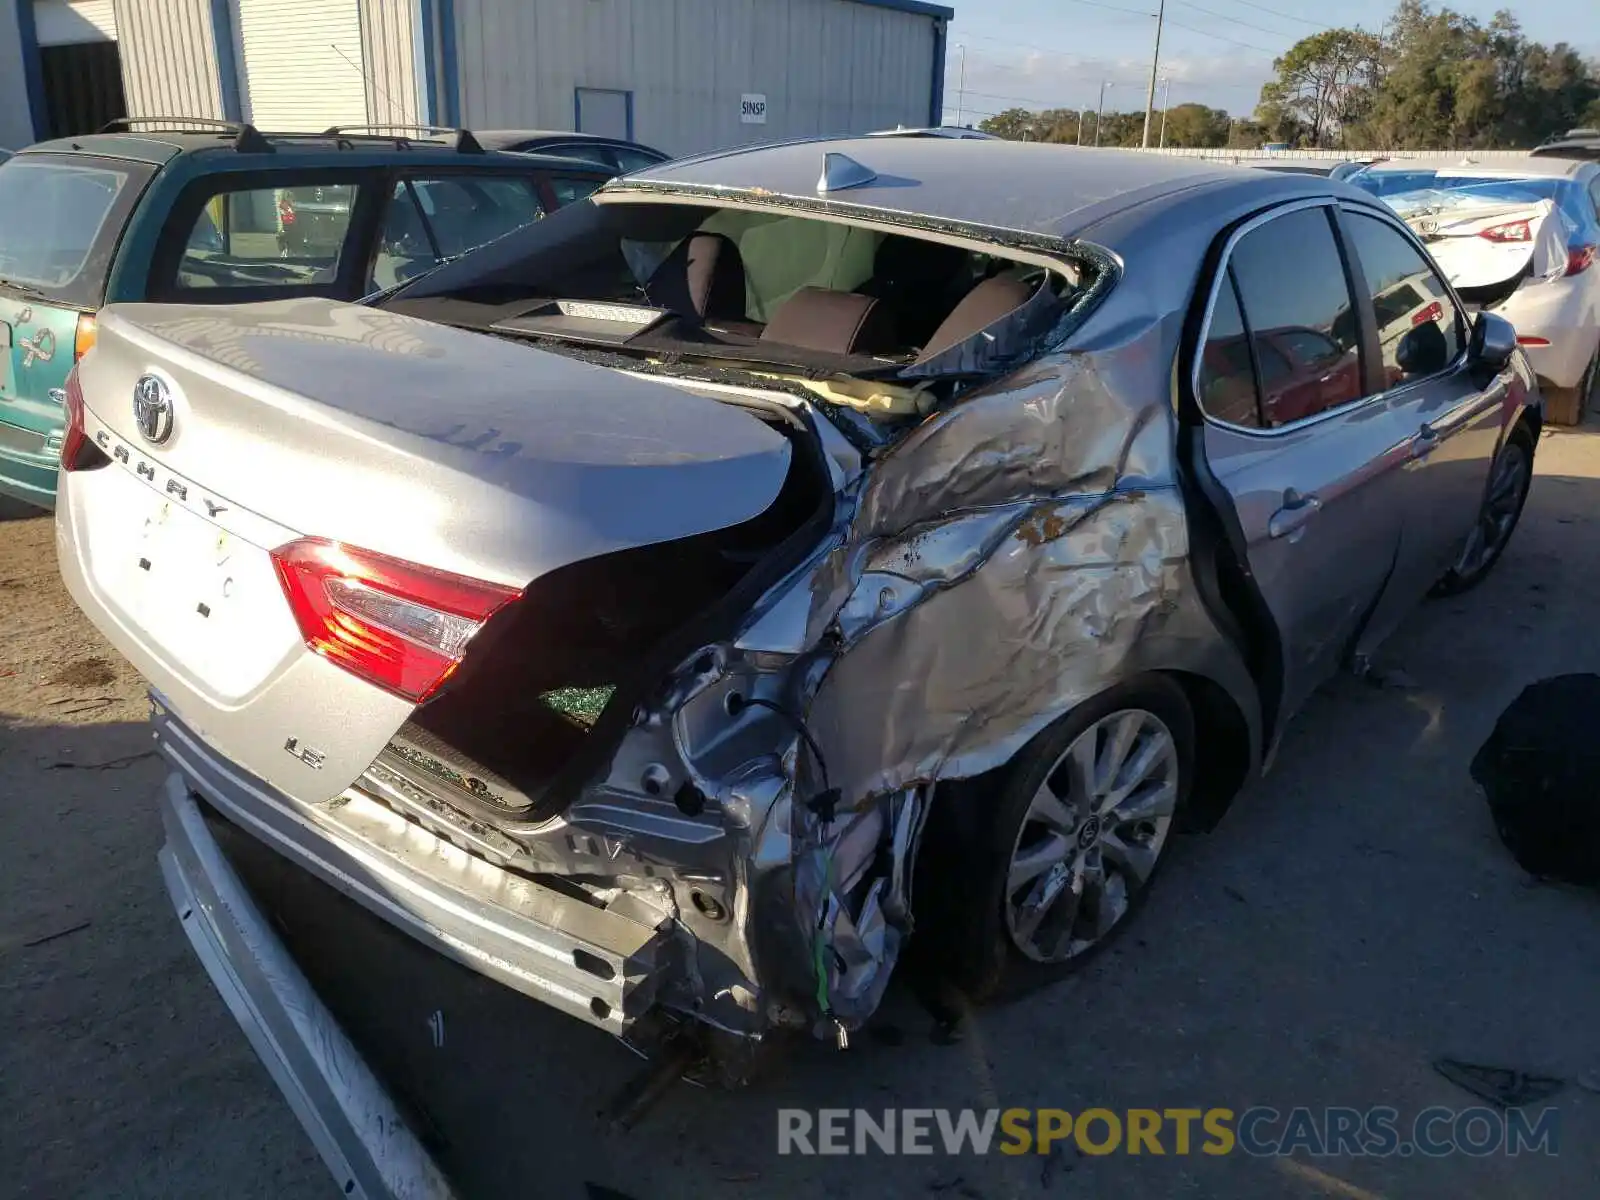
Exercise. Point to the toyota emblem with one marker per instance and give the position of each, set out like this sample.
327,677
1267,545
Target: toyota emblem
152,409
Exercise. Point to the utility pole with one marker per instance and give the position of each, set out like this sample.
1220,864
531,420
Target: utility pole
1100,114
961,85
1082,113
1166,103
1155,65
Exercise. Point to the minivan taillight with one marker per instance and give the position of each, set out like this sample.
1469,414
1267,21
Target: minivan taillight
398,625
78,452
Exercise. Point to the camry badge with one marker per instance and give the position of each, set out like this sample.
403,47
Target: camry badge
152,409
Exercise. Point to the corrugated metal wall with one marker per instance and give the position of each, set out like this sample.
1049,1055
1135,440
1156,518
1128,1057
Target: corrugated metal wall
169,63
66,22
302,64
825,66
389,56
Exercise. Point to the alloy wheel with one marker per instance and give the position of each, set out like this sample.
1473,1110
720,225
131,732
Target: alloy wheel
1091,836
1498,515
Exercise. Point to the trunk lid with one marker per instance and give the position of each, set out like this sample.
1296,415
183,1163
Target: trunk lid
1486,248
454,451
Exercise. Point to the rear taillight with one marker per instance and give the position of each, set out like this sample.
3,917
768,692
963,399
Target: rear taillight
1511,231
77,451
401,626
1433,312
84,338
285,209
1530,340
1580,258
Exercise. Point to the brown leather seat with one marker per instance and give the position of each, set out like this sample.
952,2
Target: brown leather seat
980,308
702,278
834,322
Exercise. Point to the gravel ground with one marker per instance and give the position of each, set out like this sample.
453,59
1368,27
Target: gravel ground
1351,920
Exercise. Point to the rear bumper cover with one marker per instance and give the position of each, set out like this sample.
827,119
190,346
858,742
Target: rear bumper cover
345,1110
598,966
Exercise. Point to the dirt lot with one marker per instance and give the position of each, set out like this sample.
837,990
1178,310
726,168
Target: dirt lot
1353,919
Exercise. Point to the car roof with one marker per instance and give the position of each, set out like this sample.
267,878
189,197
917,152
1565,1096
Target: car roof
1030,187
1497,168
161,146
499,139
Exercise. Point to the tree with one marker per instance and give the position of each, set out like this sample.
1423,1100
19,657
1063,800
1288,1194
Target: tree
1012,123
1324,83
1195,125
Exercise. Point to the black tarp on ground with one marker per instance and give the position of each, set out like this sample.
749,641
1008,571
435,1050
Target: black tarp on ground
1541,770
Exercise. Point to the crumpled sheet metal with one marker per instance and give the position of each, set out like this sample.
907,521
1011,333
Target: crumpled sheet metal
859,922
1054,428
955,685
1006,561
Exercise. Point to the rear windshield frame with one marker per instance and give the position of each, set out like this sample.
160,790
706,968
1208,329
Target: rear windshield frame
87,288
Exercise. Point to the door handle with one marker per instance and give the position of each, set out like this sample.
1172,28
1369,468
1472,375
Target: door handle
1424,441
1294,514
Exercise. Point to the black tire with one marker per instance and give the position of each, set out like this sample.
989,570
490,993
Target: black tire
973,831
1458,580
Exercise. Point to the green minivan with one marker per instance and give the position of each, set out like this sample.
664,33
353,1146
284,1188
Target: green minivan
213,212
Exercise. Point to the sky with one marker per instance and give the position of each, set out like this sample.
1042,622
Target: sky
1055,53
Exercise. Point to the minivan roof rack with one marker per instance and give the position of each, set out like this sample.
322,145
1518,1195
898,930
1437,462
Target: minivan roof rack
246,137
465,142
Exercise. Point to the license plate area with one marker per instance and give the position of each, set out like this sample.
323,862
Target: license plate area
203,598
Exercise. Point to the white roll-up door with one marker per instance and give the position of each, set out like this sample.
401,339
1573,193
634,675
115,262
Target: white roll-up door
72,22
300,64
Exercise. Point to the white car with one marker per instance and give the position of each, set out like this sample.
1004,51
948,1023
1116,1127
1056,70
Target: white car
1520,238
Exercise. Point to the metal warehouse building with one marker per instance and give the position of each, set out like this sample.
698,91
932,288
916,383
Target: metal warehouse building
683,75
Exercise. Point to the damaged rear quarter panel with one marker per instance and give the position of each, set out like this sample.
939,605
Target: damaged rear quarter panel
1013,557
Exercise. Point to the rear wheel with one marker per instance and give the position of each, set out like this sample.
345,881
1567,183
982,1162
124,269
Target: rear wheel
1509,480
1051,868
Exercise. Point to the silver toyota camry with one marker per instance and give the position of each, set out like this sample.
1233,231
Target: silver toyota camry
781,560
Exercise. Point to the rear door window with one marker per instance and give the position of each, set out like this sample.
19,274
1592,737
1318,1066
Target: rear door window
566,189
1295,297
1418,322
467,211
634,160
1227,381
60,219
268,237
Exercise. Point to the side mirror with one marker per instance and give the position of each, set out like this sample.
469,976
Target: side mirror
1494,341
1422,351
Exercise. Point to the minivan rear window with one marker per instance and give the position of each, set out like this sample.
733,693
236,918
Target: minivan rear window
60,217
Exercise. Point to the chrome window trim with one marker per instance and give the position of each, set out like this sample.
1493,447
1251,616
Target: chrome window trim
1221,274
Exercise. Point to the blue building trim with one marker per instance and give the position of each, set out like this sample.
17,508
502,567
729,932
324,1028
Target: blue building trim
427,62
937,11
941,39
450,102
227,60
32,69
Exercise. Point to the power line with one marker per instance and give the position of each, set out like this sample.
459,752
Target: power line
1225,17
1286,16
1219,37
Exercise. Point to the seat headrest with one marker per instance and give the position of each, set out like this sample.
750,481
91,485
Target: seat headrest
980,308
835,322
702,277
